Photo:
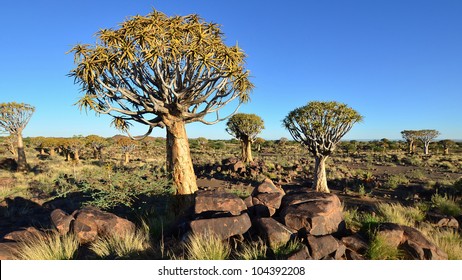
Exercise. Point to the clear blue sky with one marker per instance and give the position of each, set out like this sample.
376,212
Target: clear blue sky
397,62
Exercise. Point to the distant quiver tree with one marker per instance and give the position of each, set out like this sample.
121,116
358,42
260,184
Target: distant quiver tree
245,127
162,72
13,119
410,136
426,136
320,126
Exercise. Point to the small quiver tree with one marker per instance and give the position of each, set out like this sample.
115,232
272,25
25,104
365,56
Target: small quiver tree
13,119
245,127
96,143
426,136
447,144
162,72
127,146
320,126
410,136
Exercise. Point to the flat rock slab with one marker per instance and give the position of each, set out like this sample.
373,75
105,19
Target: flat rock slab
267,186
316,213
323,246
224,227
210,201
22,235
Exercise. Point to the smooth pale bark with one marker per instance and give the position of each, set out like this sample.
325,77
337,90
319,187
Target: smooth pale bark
179,163
126,158
76,156
51,152
426,148
446,151
22,162
320,178
246,151
411,147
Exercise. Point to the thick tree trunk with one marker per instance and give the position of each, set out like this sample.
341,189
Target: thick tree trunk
51,152
426,145
246,150
411,147
22,162
320,178
42,151
446,151
179,163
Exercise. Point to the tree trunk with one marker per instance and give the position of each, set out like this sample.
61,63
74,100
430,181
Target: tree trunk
179,163
320,178
446,151
76,156
411,147
42,151
246,151
426,145
126,158
22,162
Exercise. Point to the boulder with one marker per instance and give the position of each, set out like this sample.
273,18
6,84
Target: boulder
275,233
267,186
21,235
90,222
210,201
316,213
61,221
352,255
356,243
301,254
224,227
392,234
8,250
267,197
418,247
323,246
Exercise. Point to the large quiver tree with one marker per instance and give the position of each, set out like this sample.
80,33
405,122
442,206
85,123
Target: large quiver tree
410,136
426,136
13,119
162,72
320,126
245,127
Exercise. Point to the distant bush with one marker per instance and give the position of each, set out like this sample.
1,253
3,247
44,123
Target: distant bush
446,205
399,214
412,160
395,181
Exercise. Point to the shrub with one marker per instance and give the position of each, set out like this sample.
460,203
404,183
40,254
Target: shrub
206,247
446,205
448,240
282,252
51,246
396,180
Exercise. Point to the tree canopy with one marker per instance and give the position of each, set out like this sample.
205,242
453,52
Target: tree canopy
321,125
245,126
154,66
14,117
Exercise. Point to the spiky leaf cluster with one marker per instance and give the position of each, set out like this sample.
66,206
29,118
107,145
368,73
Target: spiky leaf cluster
245,126
14,117
155,66
321,125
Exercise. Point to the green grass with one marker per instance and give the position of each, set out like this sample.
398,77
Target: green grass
379,249
252,251
51,246
395,181
448,240
446,205
283,251
399,214
131,244
207,247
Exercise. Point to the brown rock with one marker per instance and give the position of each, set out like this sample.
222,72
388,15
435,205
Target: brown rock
210,201
21,235
272,200
275,233
356,243
322,246
317,213
8,250
301,254
62,221
91,222
448,222
352,255
392,233
224,227
267,186
239,167
418,247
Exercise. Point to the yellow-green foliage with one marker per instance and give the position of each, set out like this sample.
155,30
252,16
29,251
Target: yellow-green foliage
448,240
379,249
399,214
131,244
51,246
207,247
253,251
446,205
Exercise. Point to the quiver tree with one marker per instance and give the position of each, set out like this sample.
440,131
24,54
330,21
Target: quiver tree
74,146
202,142
13,119
259,141
447,144
96,143
245,127
162,72
410,136
127,146
320,126
426,136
